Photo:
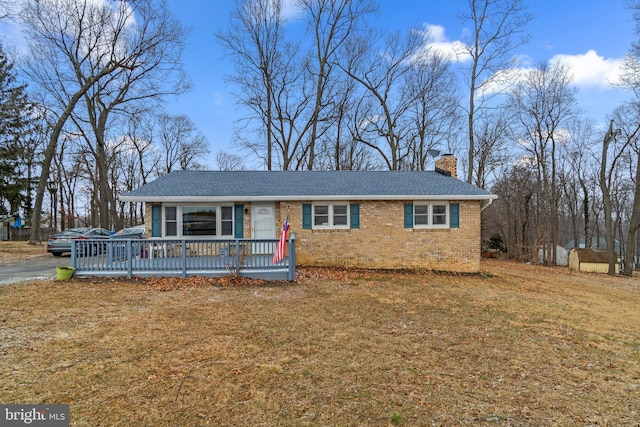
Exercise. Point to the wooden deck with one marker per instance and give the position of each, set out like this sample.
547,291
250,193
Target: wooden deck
183,258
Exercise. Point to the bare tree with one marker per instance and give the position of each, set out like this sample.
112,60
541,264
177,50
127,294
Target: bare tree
630,79
511,216
229,161
255,44
74,45
606,172
626,152
181,145
331,22
543,103
581,160
139,131
157,73
630,70
70,164
137,161
492,129
498,29
341,146
381,70
433,114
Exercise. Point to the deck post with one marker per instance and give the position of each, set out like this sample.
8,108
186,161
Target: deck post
238,256
129,259
184,258
291,274
110,250
73,254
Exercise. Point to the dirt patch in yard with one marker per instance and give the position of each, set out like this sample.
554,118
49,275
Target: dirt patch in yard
515,345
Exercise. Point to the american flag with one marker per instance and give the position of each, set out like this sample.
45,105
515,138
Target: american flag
282,244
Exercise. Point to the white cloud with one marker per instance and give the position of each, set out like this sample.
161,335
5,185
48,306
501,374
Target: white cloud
436,41
591,69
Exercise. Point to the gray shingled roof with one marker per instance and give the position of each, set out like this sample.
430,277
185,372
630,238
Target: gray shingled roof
181,186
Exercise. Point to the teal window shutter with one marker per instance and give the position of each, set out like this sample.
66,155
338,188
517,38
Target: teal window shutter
354,213
156,220
238,221
408,215
306,215
454,215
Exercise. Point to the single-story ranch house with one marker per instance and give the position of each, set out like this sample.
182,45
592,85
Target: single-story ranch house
368,219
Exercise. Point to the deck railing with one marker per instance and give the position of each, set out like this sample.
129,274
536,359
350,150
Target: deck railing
182,258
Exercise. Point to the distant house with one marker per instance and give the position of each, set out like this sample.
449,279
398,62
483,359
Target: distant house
368,219
589,260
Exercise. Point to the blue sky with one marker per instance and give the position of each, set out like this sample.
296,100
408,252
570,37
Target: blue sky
591,36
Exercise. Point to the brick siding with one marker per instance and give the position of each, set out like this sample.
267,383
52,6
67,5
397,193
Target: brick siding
381,241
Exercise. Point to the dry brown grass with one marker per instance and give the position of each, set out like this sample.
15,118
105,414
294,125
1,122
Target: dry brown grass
517,345
17,251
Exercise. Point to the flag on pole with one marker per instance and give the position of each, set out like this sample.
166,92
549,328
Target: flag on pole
281,249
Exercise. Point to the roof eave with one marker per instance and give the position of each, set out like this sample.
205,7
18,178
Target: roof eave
235,199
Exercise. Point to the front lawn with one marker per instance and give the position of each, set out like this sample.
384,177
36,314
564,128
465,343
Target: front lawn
515,345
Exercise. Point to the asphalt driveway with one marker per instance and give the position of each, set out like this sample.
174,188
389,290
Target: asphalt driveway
35,268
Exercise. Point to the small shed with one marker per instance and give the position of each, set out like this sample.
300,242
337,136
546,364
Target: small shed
589,260
5,222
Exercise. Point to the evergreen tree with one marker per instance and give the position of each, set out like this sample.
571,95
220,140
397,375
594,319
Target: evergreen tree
15,111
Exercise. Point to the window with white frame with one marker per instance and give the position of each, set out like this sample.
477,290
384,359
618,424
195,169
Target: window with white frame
170,221
330,215
431,215
226,220
198,220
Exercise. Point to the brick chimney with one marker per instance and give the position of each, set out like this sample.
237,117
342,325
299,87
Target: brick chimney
447,165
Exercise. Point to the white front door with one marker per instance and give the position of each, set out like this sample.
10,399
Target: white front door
263,226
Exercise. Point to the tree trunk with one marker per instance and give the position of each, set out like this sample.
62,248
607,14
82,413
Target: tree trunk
50,151
606,199
633,226
471,153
